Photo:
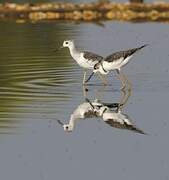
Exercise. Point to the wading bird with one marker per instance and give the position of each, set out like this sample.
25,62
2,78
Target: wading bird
83,111
115,61
84,59
111,113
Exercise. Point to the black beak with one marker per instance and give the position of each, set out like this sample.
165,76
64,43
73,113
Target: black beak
60,122
89,77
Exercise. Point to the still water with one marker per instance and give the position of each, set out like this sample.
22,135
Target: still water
39,86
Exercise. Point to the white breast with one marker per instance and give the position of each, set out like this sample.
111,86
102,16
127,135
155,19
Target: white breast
85,63
126,60
82,109
117,117
75,56
112,115
116,64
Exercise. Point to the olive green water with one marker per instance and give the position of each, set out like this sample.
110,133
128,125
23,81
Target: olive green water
38,86
30,73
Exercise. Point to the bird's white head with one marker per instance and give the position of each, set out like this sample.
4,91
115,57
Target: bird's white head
68,127
68,43
98,67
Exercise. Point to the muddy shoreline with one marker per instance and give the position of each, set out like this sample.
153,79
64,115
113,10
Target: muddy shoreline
86,11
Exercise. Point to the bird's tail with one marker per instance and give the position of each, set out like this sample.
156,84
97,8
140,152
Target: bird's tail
141,47
134,128
137,49
137,130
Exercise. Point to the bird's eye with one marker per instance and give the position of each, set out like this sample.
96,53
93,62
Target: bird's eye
66,43
67,127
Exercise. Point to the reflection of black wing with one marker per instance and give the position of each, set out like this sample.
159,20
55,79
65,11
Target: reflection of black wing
112,105
122,54
123,125
89,114
91,56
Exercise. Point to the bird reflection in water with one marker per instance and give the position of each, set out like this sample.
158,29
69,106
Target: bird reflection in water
110,113
83,111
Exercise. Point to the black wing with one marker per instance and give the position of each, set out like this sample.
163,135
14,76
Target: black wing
122,54
123,125
92,57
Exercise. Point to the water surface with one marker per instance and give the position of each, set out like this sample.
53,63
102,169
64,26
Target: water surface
38,86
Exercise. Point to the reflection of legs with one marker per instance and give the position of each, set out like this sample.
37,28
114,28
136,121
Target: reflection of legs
84,77
122,79
102,78
84,90
124,97
127,81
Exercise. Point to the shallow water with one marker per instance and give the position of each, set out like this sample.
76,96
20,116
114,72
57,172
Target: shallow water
39,86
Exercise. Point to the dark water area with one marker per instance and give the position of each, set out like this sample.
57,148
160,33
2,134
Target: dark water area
39,86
